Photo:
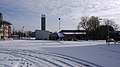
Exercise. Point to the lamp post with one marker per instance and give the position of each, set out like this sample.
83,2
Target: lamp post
23,33
59,24
108,29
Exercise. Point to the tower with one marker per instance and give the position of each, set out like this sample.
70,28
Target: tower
43,22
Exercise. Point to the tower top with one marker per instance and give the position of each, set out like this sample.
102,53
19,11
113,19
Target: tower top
43,15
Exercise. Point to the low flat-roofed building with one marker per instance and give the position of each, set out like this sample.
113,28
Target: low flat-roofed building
74,34
42,35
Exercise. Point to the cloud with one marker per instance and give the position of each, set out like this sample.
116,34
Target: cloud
57,6
70,11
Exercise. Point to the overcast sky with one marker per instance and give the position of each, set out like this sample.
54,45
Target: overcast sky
27,13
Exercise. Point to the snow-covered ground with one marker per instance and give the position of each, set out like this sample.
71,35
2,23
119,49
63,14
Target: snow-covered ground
40,53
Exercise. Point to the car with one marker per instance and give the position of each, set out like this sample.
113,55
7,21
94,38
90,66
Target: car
110,40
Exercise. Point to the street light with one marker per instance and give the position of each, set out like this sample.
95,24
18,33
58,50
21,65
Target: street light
23,33
108,29
59,24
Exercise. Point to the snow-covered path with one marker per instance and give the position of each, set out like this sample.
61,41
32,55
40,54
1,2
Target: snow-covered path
37,53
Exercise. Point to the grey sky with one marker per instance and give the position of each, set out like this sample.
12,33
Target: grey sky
27,12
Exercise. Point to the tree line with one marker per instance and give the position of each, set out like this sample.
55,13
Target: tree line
97,30
20,34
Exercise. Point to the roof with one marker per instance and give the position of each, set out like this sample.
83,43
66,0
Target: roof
1,17
72,31
6,22
0,13
60,34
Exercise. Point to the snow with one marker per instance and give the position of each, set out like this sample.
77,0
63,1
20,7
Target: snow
45,53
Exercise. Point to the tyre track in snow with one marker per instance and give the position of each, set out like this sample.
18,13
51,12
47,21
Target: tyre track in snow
56,57
76,60
5,65
79,64
62,57
30,58
20,57
24,54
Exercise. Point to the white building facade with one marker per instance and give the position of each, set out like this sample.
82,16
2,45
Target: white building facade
42,35
5,30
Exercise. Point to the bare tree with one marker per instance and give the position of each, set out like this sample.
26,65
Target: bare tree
93,23
89,23
83,23
111,23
